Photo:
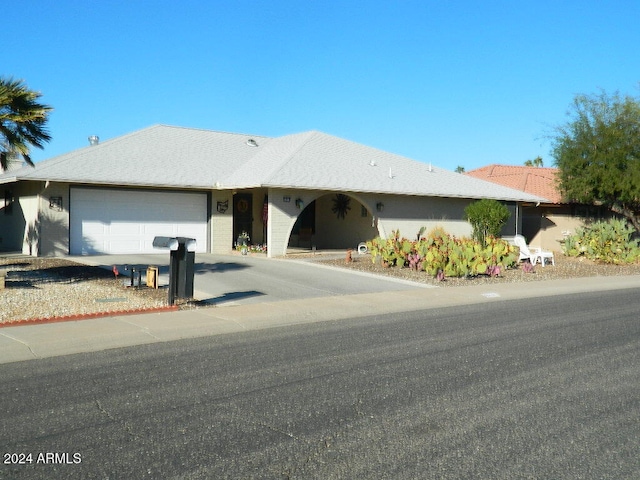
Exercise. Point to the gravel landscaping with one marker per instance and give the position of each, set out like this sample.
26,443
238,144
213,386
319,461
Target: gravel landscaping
38,288
43,288
565,267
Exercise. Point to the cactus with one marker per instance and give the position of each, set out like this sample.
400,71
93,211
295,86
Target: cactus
441,253
375,248
414,261
607,242
493,271
527,267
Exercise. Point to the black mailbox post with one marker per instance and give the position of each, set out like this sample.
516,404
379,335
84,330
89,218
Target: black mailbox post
181,265
184,259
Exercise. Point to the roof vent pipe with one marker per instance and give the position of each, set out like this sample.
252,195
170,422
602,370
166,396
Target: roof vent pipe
94,140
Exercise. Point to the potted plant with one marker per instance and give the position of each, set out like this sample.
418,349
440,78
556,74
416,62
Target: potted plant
242,243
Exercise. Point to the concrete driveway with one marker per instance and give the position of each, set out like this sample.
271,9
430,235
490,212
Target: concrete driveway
243,280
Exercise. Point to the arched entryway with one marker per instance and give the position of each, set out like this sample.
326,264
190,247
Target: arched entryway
332,222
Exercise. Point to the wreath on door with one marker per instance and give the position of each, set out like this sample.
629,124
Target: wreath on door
242,205
341,205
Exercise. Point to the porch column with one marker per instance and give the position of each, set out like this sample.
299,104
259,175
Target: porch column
282,216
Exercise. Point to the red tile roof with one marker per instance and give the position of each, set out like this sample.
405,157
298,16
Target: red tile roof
540,181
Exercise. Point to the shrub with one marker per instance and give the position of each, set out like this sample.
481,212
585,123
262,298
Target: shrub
487,217
607,242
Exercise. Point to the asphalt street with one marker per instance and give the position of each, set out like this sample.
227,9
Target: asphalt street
506,390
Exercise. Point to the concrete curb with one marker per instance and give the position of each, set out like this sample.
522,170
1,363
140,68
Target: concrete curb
88,316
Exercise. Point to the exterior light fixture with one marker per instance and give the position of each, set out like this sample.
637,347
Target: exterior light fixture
380,207
300,203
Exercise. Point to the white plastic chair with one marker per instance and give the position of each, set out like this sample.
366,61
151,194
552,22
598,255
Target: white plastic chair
533,254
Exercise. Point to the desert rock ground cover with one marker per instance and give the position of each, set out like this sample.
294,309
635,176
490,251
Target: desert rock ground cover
38,288
565,267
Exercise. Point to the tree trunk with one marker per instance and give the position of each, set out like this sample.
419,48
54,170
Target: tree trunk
629,214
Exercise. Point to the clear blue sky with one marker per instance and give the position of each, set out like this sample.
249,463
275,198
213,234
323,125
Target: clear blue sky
448,82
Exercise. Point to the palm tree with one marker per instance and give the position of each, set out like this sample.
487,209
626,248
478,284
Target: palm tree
22,121
536,162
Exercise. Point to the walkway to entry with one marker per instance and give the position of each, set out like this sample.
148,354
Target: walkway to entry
241,280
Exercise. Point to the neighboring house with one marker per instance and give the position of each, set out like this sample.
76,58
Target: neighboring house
544,224
308,189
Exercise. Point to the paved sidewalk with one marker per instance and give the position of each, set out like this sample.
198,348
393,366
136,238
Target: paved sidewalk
30,342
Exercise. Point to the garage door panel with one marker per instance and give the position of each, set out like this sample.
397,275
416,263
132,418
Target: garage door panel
126,221
95,229
125,228
185,233
158,229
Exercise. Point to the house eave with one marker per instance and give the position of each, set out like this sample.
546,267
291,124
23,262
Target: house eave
98,183
392,192
6,180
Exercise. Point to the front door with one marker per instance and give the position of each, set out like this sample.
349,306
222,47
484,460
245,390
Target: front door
242,215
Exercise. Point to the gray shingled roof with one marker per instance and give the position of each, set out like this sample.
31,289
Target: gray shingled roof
165,156
154,156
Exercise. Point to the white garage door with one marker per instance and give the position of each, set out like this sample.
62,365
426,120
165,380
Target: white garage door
126,221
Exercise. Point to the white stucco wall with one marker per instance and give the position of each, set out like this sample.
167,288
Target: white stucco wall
410,214
282,216
54,221
221,223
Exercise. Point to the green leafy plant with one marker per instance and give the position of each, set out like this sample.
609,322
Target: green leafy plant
607,242
487,217
597,152
23,121
243,241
